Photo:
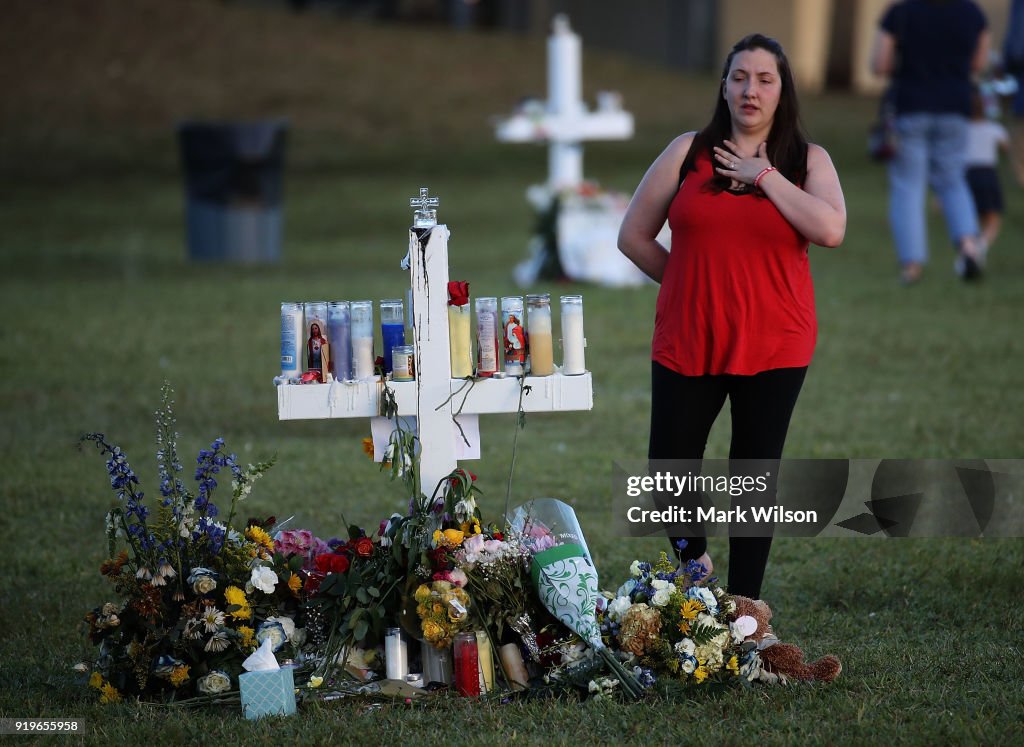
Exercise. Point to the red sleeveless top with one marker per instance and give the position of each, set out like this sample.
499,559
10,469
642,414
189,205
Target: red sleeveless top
737,295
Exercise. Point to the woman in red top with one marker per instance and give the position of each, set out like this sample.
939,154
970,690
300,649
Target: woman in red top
735,315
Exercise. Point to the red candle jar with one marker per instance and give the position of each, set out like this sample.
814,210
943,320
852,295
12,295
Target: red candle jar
467,665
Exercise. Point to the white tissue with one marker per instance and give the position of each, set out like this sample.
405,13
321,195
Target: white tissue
262,659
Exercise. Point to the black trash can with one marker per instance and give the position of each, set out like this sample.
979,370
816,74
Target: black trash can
233,189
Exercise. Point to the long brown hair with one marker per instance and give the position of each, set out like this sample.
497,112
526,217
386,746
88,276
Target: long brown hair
787,143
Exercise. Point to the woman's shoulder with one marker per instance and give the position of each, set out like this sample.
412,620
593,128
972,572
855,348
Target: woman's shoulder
817,154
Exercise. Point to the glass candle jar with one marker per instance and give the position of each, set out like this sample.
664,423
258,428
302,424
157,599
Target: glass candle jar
513,335
339,332
486,660
291,340
403,359
396,656
392,328
538,333
487,344
460,345
362,339
467,664
437,664
573,341
315,313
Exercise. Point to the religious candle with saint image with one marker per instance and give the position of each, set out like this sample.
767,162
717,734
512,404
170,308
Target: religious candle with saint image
460,341
315,313
514,335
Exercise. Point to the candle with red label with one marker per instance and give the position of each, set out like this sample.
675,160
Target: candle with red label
467,664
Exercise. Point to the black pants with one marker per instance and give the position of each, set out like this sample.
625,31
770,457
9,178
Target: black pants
683,409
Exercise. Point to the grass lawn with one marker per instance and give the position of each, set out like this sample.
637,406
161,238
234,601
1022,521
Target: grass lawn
101,305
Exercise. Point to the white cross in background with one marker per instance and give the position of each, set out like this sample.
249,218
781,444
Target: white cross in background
565,122
435,397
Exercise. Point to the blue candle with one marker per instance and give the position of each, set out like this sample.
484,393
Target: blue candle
392,328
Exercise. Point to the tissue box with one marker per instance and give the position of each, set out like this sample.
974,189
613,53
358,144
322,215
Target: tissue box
270,693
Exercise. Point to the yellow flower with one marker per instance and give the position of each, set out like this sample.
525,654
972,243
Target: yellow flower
454,537
368,447
471,527
248,636
432,631
733,665
179,675
294,583
236,597
422,593
701,673
109,694
96,680
260,537
315,682
437,609
690,608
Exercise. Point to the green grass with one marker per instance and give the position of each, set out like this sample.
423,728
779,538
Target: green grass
100,305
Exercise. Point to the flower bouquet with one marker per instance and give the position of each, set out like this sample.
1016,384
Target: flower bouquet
564,576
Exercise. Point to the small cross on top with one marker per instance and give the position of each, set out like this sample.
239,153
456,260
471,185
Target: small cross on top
424,217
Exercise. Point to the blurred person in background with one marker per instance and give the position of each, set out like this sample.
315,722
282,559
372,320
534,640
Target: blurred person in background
929,49
985,139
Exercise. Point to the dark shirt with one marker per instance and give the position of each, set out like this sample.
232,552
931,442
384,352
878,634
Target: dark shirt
935,43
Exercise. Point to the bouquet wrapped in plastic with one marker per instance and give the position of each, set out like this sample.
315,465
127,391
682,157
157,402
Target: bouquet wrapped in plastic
564,575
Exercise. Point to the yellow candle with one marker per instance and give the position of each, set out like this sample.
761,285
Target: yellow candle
486,661
459,341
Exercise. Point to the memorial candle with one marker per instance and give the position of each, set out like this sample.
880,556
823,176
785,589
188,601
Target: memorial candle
362,339
573,341
315,313
339,322
514,335
396,658
460,345
515,669
487,345
291,340
538,332
392,328
483,652
467,663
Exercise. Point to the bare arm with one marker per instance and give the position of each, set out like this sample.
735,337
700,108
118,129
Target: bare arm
883,53
648,210
817,211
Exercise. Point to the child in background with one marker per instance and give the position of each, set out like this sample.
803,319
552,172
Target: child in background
985,138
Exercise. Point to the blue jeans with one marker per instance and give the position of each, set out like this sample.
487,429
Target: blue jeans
931,153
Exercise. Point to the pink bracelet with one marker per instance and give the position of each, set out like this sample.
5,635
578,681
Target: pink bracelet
762,174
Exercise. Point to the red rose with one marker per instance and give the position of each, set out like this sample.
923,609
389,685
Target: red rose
362,547
312,585
331,563
458,292
498,536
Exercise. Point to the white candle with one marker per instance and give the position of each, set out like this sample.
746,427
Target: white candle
485,661
515,669
573,341
396,659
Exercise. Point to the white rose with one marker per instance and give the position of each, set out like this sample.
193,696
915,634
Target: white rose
264,579
634,569
287,623
213,683
688,665
618,607
659,583
661,597
686,647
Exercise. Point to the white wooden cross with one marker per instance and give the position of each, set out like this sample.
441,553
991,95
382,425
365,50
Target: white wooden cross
566,123
430,397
